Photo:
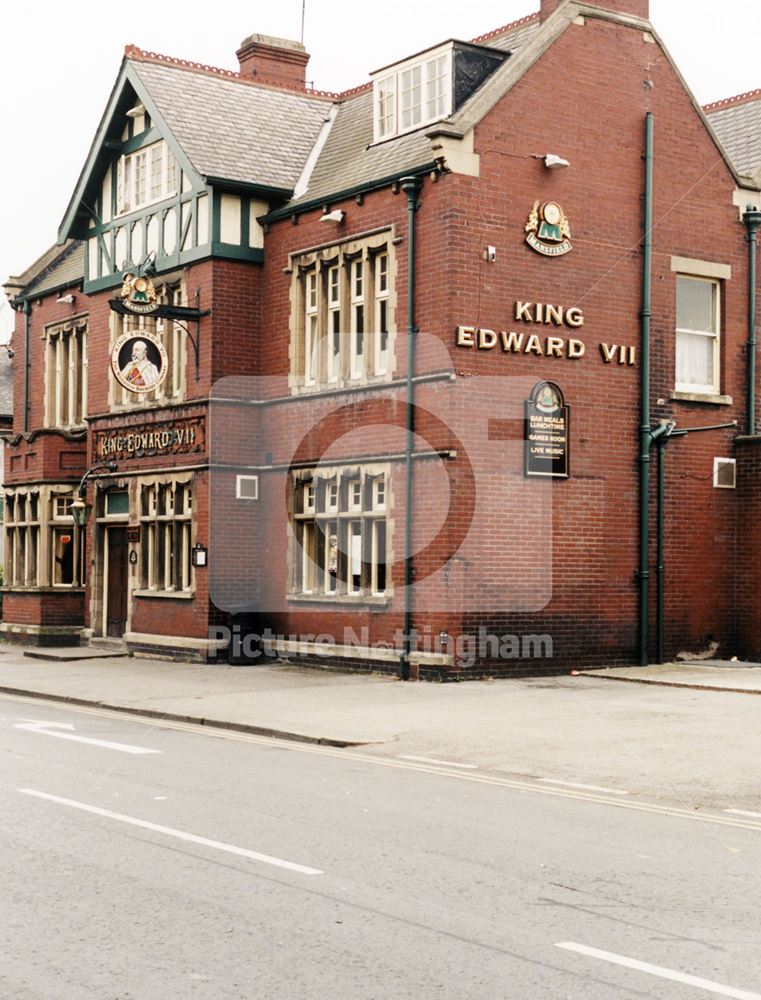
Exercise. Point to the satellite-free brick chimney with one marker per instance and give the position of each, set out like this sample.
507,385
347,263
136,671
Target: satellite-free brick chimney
639,8
273,60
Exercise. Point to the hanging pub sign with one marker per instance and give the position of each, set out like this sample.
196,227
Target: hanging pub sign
139,361
547,433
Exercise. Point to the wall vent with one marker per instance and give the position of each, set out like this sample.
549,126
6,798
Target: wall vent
725,473
247,487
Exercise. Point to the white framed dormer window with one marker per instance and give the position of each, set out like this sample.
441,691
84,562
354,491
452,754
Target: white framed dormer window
144,177
698,335
413,93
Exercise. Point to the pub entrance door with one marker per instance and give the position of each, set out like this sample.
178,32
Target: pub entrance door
115,573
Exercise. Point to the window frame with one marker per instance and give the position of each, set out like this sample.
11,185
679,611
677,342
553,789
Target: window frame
130,167
341,296
66,373
395,112
700,389
166,516
335,549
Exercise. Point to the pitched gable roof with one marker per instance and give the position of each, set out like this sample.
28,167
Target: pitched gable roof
737,122
58,267
233,129
220,126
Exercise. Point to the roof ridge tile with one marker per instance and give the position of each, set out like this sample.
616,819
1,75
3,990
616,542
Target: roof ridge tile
136,54
479,39
727,102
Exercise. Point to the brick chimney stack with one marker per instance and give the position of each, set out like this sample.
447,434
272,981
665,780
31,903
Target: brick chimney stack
273,60
639,8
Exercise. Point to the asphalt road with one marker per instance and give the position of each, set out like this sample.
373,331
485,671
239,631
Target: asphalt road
145,862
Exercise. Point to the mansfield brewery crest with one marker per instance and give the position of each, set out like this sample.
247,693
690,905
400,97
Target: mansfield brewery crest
138,294
548,230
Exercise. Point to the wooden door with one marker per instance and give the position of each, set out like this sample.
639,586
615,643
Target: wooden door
116,609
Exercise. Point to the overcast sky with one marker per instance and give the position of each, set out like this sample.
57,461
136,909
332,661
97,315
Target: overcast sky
59,61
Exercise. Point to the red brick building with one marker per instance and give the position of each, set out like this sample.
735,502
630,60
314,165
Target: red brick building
399,378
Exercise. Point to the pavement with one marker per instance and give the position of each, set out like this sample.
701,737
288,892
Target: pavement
686,733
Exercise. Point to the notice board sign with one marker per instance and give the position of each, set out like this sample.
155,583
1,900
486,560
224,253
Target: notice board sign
547,433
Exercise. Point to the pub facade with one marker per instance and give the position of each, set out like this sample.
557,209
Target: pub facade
452,374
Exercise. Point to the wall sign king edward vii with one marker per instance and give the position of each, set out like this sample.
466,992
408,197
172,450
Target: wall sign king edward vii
547,433
548,230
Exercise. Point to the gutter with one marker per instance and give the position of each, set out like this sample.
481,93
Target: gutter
288,211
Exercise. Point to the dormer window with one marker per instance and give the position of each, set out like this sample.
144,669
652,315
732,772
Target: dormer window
144,177
413,93
429,86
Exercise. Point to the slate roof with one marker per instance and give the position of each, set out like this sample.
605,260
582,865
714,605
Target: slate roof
58,267
348,157
233,129
737,122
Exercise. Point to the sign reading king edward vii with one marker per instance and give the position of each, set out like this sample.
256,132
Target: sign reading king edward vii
547,432
169,437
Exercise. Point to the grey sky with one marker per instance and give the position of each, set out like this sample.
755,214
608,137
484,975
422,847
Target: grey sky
59,62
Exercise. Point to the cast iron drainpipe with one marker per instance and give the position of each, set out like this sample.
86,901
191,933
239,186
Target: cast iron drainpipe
752,220
411,187
645,434
27,359
661,435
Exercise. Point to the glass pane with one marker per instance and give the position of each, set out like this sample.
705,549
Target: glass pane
696,304
694,359
63,557
117,503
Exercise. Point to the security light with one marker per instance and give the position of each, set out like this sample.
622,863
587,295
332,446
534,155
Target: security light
554,162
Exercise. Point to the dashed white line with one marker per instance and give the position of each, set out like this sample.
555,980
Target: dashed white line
718,989
588,788
170,832
441,763
743,812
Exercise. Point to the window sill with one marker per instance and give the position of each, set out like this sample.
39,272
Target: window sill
177,595
61,588
702,397
350,600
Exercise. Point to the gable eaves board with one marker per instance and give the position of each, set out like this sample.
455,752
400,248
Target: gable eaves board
99,154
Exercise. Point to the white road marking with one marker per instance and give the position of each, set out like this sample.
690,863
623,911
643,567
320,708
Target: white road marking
589,788
170,832
657,970
65,731
289,746
443,763
743,812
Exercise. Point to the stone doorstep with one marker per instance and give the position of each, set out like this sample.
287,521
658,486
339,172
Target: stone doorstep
71,654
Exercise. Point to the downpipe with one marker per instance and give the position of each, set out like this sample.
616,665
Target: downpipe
752,220
645,435
411,187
